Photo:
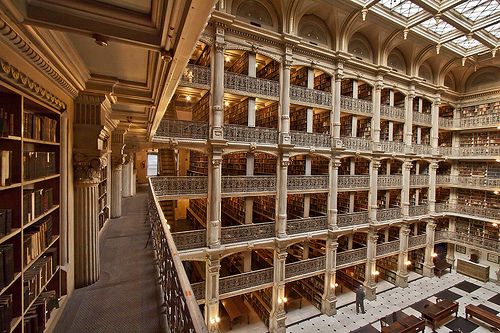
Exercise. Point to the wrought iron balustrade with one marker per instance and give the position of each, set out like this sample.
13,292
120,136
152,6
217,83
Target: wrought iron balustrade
442,207
188,240
304,139
468,181
476,151
243,133
389,181
392,112
447,151
236,283
356,105
248,184
480,211
350,256
357,144
307,224
248,85
422,118
196,76
394,147
180,305
389,214
446,123
419,210
310,96
440,235
481,242
352,219
181,129
388,247
422,149
481,121
179,185
419,180
307,183
307,266
198,290
353,181
418,240
247,232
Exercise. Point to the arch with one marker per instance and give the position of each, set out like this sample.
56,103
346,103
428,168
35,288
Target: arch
449,81
345,31
425,72
486,77
257,12
386,46
360,47
242,150
396,60
421,57
446,69
314,29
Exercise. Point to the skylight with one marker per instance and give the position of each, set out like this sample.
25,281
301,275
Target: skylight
478,9
466,43
439,28
405,8
494,30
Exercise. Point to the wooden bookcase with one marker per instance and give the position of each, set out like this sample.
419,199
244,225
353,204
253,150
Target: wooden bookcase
387,268
321,121
267,116
479,139
237,114
319,165
323,82
364,128
234,164
298,119
346,87
478,198
297,165
265,164
295,206
365,91
197,213
204,58
417,258
240,65
480,110
198,163
346,126
270,71
298,76
30,195
233,211
319,204
264,208
201,109
343,202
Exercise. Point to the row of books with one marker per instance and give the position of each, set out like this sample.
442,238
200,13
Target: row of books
6,264
5,222
37,317
6,313
38,164
40,127
36,240
36,202
5,167
37,276
6,123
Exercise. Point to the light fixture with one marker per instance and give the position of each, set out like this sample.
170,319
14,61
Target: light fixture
376,273
282,300
497,192
334,285
100,40
498,160
495,225
434,254
408,262
188,98
215,320
437,17
166,56
405,33
256,65
364,11
226,103
494,52
228,59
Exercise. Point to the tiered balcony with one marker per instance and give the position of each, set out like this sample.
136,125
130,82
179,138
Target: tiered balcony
305,184
419,210
419,180
180,129
474,241
354,105
353,182
242,133
472,152
245,85
387,249
416,241
310,97
392,113
389,214
486,121
491,214
352,219
420,118
304,139
196,77
389,181
357,144
468,182
422,149
392,147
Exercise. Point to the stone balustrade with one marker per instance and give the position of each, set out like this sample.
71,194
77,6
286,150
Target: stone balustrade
352,219
349,104
304,139
389,181
446,123
251,86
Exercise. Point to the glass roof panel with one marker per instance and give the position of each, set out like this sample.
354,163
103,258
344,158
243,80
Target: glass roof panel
439,28
466,43
478,9
405,8
494,30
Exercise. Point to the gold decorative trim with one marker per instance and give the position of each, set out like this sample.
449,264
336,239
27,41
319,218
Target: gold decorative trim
19,79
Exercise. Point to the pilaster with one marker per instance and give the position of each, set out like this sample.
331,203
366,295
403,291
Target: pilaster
117,161
405,190
428,267
372,200
371,253
408,126
126,177
336,93
216,128
285,97
277,316
282,194
212,317
402,273
329,299
450,252
214,198
432,187
435,126
377,100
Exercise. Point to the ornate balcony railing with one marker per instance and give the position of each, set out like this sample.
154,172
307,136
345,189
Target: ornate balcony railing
236,283
477,151
419,210
386,248
198,290
248,184
196,76
476,211
242,133
181,129
356,105
175,186
446,151
394,147
357,144
299,268
353,181
188,240
310,96
422,149
351,256
468,181
440,235
247,232
481,121
392,112
422,118
446,123
419,240
483,243
384,181
307,183
304,139
441,207
182,311
389,214
419,180
297,226
247,85
352,219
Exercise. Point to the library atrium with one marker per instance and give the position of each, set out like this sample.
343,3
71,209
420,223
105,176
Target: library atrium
275,166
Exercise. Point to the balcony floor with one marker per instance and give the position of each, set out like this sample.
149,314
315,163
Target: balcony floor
125,298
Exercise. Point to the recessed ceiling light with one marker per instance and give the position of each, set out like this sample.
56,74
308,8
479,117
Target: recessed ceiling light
188,98
100,40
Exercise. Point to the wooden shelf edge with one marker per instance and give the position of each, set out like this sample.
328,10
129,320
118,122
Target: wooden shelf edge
33,181
41,142
11,137
25,268
10,186
38,218
13,232
41,291
16,276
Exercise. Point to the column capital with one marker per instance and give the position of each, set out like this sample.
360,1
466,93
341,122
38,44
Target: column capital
220,46
376,164
87,169
405,230
372,238
379,85
433,166
287,62
407,165
336,163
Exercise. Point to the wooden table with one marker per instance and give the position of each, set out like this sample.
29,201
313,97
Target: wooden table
235,308
399,322
434,313
441,266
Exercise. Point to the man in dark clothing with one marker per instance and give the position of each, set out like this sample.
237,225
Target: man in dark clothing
360,298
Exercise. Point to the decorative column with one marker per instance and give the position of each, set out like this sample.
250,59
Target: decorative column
336,93
450,251
277,316
371,253
402,273
408,126
435,126
117,161
212,317
126,171
377,100
372,199
428,267
332,193
329,299
405,190
214,199
87,171
217,119
285,97
282,195
432,187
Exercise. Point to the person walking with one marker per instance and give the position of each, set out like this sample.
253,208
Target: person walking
360,298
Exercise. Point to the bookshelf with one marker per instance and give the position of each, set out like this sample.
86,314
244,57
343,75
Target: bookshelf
233,211
198,163
387,268
201,109
385,97
319,165
204,58
240,65
361,166
321,121
298,76
482,109
479,139
351,277
346,125
477,228
311,289
264,208
298,118
234,164
271,71
323,82
478,169
446,111
417,258
197,213
297,165
265,164
343,199
237,114
260,301
319,204
365,91
31,278
364,128
346,87
267,116
478,198
295,206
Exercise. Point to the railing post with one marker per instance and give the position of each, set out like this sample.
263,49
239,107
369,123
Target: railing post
405,190
282,194
428,267
432,187
277,316
329,299
372,200
402,273
371,254
212,318
332,193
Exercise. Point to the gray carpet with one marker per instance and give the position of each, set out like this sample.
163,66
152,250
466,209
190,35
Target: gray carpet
125,297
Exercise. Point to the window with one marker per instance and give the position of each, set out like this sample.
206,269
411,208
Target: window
152,164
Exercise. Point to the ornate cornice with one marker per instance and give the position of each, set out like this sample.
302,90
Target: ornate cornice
23,81
25,48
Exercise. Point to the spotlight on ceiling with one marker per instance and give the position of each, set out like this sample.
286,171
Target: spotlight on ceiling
100,40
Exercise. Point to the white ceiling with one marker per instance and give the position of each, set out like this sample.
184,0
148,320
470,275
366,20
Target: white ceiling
141,6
